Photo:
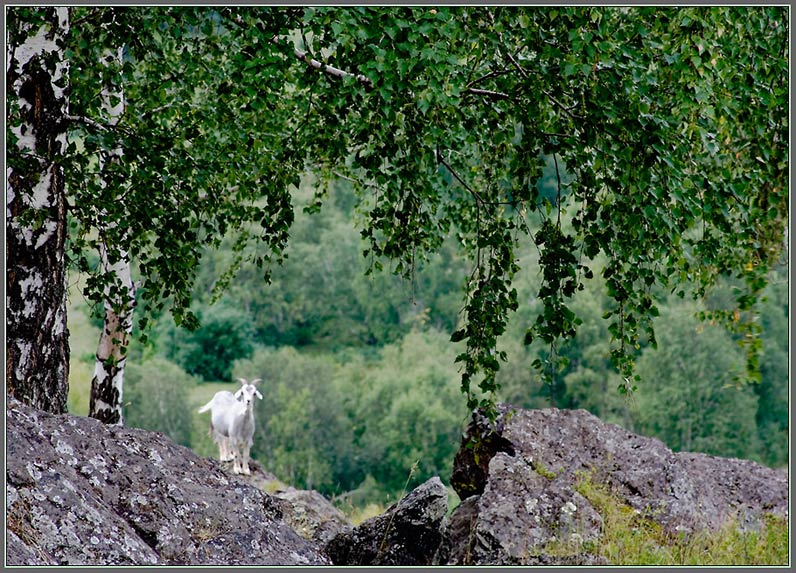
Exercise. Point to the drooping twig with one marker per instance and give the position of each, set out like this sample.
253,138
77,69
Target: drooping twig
561,106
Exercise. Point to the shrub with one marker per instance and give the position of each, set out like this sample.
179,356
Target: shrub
156,398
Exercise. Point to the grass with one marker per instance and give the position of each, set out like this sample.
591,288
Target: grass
631,538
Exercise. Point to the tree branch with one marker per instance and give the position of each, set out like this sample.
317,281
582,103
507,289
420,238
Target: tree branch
488,93
565,109
493,74
96,124
464,184
331,70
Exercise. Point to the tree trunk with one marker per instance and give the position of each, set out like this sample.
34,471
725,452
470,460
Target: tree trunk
37,349
107,385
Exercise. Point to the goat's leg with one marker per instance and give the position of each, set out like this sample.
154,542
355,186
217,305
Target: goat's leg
220,442
245,462
236,464
224,448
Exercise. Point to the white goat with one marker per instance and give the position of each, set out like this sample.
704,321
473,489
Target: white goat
232,423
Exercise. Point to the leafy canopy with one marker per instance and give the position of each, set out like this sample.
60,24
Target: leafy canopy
671,124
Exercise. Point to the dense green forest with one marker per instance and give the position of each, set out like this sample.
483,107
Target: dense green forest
359,375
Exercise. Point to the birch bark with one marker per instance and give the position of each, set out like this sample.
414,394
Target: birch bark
37,348
107,384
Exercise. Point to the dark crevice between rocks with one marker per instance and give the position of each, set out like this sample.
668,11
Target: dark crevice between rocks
480,444
148,537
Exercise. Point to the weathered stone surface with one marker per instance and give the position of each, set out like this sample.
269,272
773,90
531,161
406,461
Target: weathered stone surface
516,516
79,492
311,515
408,533
519,486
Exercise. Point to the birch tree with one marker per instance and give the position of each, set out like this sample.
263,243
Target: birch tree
107,384
37,347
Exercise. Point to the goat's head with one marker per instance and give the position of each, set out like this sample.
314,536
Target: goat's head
248,390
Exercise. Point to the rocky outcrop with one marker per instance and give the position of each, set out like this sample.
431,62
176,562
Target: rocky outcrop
79,492
408,533
519,483
311,515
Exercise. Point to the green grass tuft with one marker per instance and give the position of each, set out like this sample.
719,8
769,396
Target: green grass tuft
631,538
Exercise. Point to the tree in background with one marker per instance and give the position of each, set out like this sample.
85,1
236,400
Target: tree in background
407,398
692,402
157,394
672,124
225,335
773,390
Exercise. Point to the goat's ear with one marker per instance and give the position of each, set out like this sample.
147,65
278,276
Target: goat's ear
254,382
238,393
242,381
257,393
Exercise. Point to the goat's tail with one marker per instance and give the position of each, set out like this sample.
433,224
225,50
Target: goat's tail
206,407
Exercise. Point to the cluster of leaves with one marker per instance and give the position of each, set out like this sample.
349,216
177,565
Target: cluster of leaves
208,352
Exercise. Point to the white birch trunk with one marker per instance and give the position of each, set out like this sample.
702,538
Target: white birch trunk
37,346
107,385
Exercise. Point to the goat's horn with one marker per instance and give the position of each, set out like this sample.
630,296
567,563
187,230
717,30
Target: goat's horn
242,380
254,382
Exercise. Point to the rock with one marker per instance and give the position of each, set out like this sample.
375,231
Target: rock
79,492
408,533
311,515
516,516
519,486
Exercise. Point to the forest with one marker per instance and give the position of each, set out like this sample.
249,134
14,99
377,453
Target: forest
397,215
359,377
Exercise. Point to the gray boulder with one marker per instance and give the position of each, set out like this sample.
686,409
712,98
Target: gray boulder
311,515
408,533
519,484
516,516
79,492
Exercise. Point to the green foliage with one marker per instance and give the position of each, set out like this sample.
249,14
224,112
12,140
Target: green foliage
773,390
197,153
654,111
321,296
156,398
407,398
225,335
689,399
